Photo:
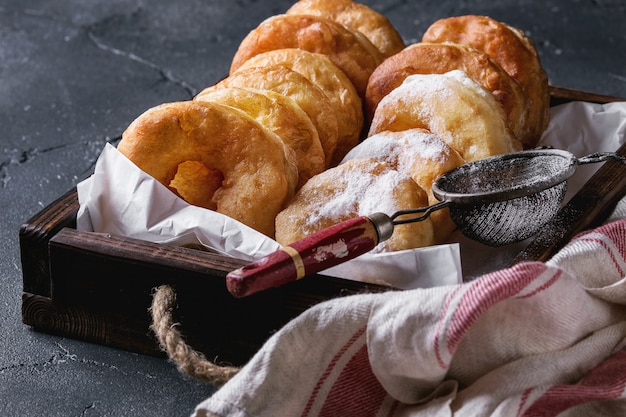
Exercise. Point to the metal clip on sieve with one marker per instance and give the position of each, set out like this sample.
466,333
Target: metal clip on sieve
496,201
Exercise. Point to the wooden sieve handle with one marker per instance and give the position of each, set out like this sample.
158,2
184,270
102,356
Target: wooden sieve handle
314,253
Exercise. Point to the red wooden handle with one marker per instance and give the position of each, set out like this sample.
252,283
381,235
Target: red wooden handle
314,253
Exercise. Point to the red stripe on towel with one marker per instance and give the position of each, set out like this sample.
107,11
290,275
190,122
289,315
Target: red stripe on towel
606,382
616,231
612,254
331,366
485,292
356,392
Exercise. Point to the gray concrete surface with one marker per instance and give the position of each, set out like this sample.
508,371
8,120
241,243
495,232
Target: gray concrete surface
75,73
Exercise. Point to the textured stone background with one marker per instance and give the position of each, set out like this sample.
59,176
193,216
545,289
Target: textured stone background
75,73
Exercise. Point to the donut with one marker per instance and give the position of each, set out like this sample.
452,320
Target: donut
350,51
513,50
282,116
360,186
238,167
439,58
452,106
422,156
321,71
356,17
307,95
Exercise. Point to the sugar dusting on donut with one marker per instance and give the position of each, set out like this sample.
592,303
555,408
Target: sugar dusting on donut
421,155
454,107
401,148
439,86
361,193
359,187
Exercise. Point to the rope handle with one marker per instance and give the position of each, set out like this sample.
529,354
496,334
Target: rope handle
171,341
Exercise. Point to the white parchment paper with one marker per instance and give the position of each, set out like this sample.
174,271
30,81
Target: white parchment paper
584,128
121,199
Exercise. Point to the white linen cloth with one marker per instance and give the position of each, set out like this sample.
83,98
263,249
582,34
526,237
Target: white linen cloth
537,339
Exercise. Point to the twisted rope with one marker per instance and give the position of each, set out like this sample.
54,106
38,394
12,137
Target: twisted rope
188,360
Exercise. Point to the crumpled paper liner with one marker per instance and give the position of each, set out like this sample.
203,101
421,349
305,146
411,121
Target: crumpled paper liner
121,199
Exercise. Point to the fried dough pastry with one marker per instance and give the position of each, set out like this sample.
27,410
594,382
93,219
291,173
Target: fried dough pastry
350,51
361,186
452,106
216,154
296,86
422,156
439,58
357,17
282,116
515,53
321,71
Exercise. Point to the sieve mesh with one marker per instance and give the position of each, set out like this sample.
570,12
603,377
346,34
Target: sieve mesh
506,199
504,222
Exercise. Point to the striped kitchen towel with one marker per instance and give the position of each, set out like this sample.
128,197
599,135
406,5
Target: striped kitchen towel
537,339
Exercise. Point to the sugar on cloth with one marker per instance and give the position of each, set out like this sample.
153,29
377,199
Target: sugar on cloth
537,339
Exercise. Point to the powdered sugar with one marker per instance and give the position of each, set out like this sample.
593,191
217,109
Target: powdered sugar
400,149
360,191
464,115
462,78
441,86
338,250
426,87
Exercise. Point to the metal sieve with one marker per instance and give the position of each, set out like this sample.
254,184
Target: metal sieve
496,201
507,198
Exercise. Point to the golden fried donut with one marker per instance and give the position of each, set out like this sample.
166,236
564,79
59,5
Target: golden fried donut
439,58
320,70
282,116
357,17
350,51
422,156
236,166
452,106
510,48
297,87
358,187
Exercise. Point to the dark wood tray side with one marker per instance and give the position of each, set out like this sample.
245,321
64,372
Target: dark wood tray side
98,287
34,236
561,95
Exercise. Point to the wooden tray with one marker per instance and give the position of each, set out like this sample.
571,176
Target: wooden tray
98,288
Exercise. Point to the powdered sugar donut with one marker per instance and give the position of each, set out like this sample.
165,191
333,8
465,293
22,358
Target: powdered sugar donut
422,156
439,58
452,106
360,186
